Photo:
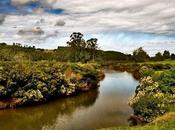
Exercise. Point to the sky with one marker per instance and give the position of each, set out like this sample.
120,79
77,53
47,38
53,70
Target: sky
119,25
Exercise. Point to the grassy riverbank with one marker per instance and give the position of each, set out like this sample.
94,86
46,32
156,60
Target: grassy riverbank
154,98
165,122
26,83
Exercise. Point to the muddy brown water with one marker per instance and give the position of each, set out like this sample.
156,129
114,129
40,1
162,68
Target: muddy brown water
98,108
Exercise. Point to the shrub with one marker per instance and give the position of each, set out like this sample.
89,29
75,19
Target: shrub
39,81
150,106
146,71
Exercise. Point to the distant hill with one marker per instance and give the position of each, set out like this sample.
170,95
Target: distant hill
62,53
100,54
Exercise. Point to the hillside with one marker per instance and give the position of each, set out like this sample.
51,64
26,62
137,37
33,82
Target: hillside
17,52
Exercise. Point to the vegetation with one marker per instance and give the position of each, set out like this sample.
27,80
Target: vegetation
77,50
165,122
153,101
30,82
155,94
140,55
82,50
32,75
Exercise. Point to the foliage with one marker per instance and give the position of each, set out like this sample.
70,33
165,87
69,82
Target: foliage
140,55
173,56
158,57
146,71
78,50
166,54
40,81
82,50
167,82
154,94
61,54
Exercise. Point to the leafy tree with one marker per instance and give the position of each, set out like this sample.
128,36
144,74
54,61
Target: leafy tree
77,45
82,50
140,55
166,54
158,56
76,39
173,56
92,46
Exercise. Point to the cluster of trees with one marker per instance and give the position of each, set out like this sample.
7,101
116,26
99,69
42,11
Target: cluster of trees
140,55
77,50
166,55
18,52
82,50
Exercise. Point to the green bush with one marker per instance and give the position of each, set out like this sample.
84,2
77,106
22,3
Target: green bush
154,95
167,82
146,71
40,81
150,106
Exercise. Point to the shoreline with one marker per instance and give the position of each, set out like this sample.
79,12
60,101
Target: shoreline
60,80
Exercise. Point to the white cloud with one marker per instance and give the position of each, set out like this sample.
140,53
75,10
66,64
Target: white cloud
93,17
30,32
113,15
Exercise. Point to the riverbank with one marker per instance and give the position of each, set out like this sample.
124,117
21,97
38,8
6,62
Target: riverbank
94,109
134,68
30,83
153,101
165,122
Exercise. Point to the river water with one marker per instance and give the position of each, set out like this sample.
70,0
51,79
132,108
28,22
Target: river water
99,108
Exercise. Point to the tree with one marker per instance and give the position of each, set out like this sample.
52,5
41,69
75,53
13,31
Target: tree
173,56
76,38
92,46
158,56
166,54
3,44
82,50
77,45
140,55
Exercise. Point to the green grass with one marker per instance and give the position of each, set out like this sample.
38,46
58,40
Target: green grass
165,122
169,61
172,62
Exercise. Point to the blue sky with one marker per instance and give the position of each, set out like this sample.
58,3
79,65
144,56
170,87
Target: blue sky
120,25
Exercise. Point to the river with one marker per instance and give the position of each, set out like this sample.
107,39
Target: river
98,108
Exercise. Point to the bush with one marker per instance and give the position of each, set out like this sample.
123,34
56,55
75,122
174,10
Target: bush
153,97
146,71
167,82
150,106
40,81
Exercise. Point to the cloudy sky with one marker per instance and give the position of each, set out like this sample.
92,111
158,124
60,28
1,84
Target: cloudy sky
120,25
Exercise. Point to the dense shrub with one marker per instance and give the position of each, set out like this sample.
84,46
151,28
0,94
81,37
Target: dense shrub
154,95
167,83
146,71
40,81
150,106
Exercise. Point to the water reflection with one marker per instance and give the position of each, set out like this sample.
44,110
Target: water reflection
99,108
45,116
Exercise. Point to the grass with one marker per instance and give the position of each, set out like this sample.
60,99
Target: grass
172,62
168,61
165,122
